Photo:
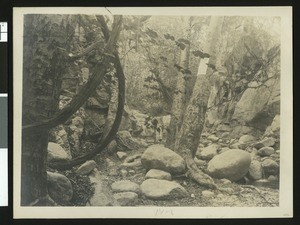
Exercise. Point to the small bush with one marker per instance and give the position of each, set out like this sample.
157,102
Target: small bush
82,188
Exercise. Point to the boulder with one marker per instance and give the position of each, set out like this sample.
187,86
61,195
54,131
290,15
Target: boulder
235,145
136,165
255,170
205,142
133,158
208,152
207,194
246,139
56,153
274,128
61,137
159,157
254,102
273,178
126,198
86,167
125,186
224,135
59,187
232,164
268,142
212,138
239,130
121,155
162,189
133,163
270,167
158,174
225,181
266,151
258,145
200,162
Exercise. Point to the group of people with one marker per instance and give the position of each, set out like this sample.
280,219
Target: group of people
157,127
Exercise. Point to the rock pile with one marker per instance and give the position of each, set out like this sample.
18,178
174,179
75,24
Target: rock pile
226,153
235,156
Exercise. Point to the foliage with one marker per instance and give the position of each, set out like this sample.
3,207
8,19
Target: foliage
45,38
82,188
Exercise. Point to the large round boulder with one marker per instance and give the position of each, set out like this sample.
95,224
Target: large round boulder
59,187
232,165
159,157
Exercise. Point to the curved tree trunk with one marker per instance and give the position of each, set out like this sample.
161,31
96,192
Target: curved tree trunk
107,138
35,136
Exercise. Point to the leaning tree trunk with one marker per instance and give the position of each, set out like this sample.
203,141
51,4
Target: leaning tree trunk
179,97
188,138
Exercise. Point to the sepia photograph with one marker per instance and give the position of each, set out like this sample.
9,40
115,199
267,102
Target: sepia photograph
153,112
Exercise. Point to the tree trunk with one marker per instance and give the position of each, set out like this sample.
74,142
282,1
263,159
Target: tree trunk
188,138
111,38
178,98
113,105
40,94
42,74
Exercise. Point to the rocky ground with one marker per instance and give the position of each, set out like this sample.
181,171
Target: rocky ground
261,193
245,169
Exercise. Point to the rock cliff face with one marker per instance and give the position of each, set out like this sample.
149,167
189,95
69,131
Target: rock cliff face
259,104
256,107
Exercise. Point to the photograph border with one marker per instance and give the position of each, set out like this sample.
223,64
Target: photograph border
285,208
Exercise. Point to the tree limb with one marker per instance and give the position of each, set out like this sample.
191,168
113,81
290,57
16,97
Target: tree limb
87,50
121,102
86,91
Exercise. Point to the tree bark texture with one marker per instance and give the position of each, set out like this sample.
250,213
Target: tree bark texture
179,98
35,136
113,105
43,71
188,138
